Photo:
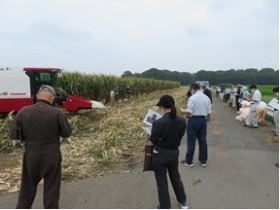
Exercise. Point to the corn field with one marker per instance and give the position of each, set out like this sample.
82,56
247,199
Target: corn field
98,87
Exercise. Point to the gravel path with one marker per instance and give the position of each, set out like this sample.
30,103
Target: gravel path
240,174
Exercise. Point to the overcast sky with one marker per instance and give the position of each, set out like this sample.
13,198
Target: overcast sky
112,36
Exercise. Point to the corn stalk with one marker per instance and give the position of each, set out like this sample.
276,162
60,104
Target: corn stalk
98,87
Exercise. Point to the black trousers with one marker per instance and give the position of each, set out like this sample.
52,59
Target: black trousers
40,162
226,97
167,160
237,102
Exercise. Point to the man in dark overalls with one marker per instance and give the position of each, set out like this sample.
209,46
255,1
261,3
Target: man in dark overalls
40,125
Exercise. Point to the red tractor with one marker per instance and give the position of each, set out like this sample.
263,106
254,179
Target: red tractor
18,88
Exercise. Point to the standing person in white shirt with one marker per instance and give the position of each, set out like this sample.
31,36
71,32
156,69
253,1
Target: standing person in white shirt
276,113
234,98
227,94
113,93
257,97
245,93
199,105
112,98
218,90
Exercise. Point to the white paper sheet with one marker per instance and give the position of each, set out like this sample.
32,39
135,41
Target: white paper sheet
151,117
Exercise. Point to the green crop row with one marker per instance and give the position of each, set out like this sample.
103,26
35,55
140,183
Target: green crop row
98,87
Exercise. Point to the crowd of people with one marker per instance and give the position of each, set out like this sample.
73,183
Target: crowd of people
199,103
41,126
233,94
242,100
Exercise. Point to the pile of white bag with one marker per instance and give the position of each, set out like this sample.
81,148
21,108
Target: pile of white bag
244,111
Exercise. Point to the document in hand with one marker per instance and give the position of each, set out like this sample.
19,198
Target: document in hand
151,117
148,130
274,103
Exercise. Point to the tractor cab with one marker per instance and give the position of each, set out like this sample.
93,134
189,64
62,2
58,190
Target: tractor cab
41,76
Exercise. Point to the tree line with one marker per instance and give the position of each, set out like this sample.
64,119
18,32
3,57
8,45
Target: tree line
265,76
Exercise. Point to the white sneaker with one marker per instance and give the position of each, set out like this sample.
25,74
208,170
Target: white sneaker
203,164
184,205
186,164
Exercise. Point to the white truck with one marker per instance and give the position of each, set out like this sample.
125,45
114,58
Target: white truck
201,83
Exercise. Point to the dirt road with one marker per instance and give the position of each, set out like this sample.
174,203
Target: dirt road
241,173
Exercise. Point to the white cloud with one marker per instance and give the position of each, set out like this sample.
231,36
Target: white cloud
112,36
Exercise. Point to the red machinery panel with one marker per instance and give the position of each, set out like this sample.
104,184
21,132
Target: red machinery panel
75,102
14,104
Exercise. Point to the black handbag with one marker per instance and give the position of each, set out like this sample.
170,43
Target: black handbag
148,158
